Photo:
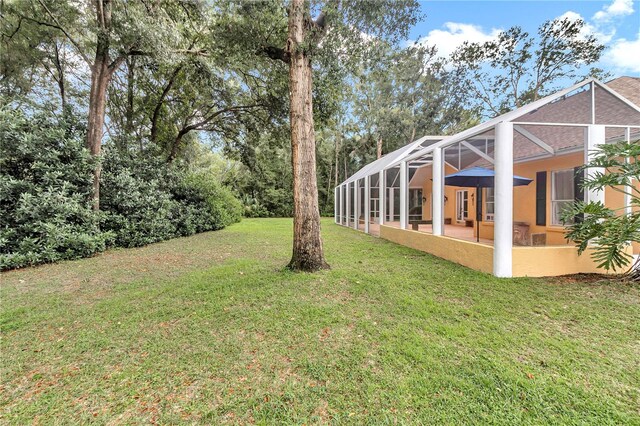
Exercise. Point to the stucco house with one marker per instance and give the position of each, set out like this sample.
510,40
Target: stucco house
403,197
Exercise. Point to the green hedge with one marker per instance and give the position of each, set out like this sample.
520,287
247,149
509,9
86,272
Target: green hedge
45,188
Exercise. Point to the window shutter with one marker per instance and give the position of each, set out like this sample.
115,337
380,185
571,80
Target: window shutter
541,198
578,190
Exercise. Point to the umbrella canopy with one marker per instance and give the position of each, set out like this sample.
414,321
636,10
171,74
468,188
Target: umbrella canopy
479,177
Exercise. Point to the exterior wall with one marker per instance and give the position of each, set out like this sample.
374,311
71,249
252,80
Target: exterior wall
552,261
524,199
450,193
527,261
472,255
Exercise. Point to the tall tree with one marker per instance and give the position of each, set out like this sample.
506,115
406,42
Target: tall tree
104,34
403,94
340,33
517,68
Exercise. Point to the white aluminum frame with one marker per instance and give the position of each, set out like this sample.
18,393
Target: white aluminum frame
503,161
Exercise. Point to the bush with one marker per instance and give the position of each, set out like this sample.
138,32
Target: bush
145,200
220,207
45,184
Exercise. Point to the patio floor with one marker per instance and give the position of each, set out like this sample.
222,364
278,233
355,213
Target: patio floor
453,231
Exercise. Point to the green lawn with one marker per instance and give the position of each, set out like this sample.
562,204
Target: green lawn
211,329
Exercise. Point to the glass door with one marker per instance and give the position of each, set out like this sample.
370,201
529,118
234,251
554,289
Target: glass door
462,205
415,204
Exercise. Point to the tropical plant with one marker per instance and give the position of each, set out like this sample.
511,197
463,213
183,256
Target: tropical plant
609,231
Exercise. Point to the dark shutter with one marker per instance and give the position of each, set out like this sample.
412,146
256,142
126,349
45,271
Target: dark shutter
541,198
578,190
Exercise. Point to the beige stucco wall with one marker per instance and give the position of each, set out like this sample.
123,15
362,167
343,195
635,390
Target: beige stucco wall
527,261
552,261
472,255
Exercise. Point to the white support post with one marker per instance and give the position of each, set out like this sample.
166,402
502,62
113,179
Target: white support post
367,203
356,209
382,189
595,138
627,196
503,221
437,191
392,207
341,205
348,204
403,195
335,204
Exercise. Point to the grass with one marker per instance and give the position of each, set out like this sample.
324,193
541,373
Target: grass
211,329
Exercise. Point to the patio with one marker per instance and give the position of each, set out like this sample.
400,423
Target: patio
458,232
408,196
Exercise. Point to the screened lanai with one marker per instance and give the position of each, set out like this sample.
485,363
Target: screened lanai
502,229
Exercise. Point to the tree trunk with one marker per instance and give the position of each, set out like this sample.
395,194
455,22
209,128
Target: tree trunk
328,197
175,146
60,80
307,243
156,111
131,76
379,147
100,77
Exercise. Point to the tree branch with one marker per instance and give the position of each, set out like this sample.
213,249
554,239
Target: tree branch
276,53
58,26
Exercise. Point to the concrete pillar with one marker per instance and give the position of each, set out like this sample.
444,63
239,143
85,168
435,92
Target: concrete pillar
595,138
382,191
367,203
437,191
348,204
356,202
503,221
404,184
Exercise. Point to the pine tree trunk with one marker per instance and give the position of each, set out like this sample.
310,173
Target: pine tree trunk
379,148
307,243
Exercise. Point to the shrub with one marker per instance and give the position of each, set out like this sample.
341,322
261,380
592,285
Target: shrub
45,183
219,207
145,200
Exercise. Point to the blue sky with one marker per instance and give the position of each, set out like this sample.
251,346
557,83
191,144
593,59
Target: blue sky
616,23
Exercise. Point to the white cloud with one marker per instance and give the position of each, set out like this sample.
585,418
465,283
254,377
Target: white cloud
623,55
447,40
604,36
620,55
615,9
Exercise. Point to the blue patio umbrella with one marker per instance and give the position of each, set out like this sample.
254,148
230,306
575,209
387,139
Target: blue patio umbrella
479,177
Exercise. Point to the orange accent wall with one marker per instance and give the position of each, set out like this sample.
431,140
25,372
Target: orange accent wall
524,198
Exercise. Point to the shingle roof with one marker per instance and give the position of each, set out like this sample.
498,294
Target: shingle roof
629,87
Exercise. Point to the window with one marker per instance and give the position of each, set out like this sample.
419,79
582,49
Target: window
489,204
562,194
